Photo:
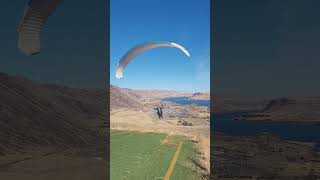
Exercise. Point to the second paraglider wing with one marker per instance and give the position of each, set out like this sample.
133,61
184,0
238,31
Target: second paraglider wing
35,15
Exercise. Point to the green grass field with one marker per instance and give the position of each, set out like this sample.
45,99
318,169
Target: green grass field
144,156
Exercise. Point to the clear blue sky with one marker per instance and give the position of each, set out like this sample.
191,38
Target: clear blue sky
184,22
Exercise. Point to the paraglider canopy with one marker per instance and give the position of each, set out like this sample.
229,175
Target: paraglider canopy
35,15
141,48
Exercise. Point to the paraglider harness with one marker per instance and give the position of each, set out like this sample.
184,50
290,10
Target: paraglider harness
159,111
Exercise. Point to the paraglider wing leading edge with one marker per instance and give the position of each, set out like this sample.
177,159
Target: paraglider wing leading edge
141,48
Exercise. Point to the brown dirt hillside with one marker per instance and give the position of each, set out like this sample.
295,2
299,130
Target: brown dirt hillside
119,98
34,115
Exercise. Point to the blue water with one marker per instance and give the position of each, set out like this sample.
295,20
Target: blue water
185,100
224,122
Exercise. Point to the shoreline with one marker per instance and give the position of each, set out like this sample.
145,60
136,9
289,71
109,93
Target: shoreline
252,117
313,122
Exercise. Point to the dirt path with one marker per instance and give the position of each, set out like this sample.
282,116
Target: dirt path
173,162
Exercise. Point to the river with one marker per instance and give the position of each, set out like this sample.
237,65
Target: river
225,123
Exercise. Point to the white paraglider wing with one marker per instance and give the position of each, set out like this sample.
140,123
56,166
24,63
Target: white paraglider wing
35,15
141,48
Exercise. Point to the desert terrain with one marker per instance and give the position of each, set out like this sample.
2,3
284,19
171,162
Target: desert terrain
262,157
132,110
265,156
52,132
56,132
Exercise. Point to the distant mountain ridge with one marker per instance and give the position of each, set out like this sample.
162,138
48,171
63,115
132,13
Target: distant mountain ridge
200,96
136,99
143,95
293,109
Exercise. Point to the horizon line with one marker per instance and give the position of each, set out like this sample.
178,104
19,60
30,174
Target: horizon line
161,89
